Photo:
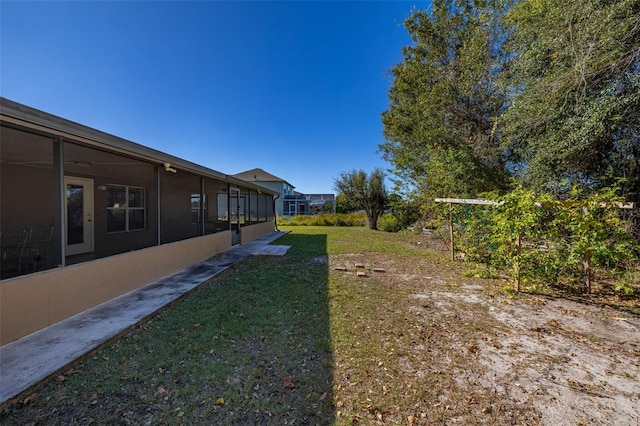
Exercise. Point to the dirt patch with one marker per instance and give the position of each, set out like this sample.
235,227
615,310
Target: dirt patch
576,364
491,357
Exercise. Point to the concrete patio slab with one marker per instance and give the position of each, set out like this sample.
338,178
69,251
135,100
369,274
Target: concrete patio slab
272,250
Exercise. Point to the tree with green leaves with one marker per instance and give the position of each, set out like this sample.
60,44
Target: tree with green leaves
344,205
440,128
367,192
575,85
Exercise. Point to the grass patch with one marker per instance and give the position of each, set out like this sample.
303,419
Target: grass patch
249,347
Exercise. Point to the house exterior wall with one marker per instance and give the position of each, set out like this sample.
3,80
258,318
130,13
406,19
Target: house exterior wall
106,169
250,233
280,188
32,302
175,206
22,199
151,215
215,213
279,206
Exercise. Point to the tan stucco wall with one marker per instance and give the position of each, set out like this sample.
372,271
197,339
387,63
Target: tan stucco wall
251,232
35,301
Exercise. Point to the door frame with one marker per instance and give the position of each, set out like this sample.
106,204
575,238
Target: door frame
234,214
88,244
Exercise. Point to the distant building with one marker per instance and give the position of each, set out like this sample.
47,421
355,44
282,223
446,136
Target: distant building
296,204
321,203
274,183
290,202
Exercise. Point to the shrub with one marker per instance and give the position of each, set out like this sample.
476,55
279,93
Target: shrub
389,222
405,212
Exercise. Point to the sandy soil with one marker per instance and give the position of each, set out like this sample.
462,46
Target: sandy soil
572,362
577,364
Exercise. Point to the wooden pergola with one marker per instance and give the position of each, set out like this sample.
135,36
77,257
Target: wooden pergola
475,201
453,201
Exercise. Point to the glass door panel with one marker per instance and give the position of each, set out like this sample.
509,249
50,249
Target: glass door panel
75,214
79,215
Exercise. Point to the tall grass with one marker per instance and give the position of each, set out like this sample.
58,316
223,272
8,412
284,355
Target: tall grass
332,219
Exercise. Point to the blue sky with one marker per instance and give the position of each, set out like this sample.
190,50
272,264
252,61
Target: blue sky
295,88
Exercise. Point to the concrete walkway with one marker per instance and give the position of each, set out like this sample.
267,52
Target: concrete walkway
27,361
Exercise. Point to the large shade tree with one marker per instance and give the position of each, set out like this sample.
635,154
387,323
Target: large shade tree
575,116
440,128
366,192
547,91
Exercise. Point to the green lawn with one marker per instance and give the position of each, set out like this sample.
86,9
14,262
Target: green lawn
252,346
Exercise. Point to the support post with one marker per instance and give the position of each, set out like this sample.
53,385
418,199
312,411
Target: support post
586,263
59,203
518,252
201,223
586,260
158,208
451,201
452,245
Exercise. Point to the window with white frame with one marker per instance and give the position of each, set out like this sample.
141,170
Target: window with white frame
125,208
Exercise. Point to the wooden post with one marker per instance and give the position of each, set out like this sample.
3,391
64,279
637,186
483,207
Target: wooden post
586,260
518,251
452,201
452,246
586,263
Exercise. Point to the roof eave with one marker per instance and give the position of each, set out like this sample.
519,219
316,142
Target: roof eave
19,114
